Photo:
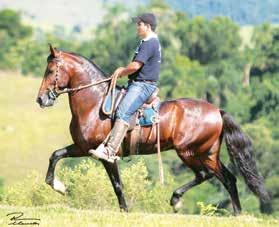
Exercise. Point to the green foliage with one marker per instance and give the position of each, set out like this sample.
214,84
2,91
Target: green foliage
88,186
10,22
1,188
115,40
31,191
11,31
208,210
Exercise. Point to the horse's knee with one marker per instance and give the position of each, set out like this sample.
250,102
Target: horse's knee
56,155
49,180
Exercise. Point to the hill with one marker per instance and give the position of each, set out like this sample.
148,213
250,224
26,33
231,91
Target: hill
251,12
86,14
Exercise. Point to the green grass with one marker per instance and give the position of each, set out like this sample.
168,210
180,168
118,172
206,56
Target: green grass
63,216
28,133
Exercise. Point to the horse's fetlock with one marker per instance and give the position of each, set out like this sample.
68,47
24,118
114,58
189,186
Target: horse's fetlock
175,199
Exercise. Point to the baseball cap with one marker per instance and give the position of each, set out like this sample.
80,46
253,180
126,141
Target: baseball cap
148,18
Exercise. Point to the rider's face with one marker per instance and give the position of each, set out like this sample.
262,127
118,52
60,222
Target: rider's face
142,29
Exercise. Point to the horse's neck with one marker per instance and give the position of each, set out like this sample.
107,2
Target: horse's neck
89,99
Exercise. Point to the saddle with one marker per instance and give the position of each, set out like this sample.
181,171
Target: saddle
145,116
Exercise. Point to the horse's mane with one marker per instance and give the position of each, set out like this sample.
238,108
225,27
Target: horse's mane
90,61
50,57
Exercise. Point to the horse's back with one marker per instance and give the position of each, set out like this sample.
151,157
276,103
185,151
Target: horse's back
191,123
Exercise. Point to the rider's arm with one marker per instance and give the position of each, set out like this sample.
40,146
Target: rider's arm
129,69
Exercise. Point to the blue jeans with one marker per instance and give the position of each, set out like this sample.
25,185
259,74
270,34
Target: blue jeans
137,94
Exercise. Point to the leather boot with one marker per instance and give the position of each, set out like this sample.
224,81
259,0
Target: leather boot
116,137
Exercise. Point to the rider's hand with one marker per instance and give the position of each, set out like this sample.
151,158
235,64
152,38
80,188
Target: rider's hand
118,72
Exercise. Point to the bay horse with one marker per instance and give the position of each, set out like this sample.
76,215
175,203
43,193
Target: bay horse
193,128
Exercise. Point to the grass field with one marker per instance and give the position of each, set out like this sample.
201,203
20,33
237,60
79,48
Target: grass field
63,216
23,127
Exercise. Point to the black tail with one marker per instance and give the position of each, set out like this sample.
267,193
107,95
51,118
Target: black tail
240,150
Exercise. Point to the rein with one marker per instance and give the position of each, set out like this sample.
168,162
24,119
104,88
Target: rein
69,90
54,93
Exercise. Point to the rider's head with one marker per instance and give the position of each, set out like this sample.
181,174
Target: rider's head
146,23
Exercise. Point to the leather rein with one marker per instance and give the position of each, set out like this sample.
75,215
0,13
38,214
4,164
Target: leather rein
55,92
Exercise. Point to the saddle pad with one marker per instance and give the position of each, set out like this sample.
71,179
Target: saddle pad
108,103
149,115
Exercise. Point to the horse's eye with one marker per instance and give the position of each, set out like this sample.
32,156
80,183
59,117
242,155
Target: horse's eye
49,71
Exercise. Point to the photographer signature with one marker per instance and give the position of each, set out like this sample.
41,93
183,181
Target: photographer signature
16,218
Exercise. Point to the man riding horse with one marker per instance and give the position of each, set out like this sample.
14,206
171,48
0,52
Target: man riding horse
143,74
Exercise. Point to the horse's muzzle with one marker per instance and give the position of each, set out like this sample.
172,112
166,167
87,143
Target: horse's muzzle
45,101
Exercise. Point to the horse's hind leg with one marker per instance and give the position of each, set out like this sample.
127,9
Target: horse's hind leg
227,179
229,182
114,176
178,193
201,175
69,151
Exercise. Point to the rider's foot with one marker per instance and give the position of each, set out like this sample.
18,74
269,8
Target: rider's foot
103,153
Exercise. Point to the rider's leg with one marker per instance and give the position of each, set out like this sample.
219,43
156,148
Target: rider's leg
138,93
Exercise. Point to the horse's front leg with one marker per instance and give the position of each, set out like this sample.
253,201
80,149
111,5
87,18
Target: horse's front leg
69,151
114,176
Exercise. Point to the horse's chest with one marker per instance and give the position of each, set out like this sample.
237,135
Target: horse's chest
89,132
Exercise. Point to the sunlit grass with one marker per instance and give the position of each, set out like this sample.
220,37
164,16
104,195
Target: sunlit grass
63,216
28,133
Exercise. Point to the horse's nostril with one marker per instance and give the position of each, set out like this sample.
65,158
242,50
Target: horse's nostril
39,100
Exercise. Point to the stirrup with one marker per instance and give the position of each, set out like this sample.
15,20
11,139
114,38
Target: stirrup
102,153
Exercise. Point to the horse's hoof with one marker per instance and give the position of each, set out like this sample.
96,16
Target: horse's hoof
177,206
124,209
59,186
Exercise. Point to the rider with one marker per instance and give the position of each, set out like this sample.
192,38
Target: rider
143,74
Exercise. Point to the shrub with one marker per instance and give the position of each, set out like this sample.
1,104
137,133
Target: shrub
32,191
88,186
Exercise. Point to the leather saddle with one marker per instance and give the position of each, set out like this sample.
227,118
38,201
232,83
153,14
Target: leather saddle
144,116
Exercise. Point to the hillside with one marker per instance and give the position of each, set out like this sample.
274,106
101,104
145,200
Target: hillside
86,14
251,12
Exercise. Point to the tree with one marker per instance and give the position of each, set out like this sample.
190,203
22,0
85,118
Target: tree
11,31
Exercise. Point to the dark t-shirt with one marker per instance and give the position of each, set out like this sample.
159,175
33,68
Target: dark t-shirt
149,53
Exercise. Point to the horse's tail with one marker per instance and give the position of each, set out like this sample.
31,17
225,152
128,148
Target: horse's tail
240,150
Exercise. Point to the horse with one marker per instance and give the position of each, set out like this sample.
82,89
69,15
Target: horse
193,128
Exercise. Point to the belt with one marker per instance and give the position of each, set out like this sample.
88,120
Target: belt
146,81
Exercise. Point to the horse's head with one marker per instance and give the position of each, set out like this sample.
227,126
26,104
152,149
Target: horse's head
56,78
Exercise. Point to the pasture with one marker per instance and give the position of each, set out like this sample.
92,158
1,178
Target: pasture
63,216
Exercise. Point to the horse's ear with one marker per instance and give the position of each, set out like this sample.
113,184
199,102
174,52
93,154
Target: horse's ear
52,50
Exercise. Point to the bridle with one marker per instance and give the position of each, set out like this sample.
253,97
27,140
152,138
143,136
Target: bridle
54,92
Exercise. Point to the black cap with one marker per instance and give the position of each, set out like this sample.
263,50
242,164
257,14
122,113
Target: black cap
148,18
